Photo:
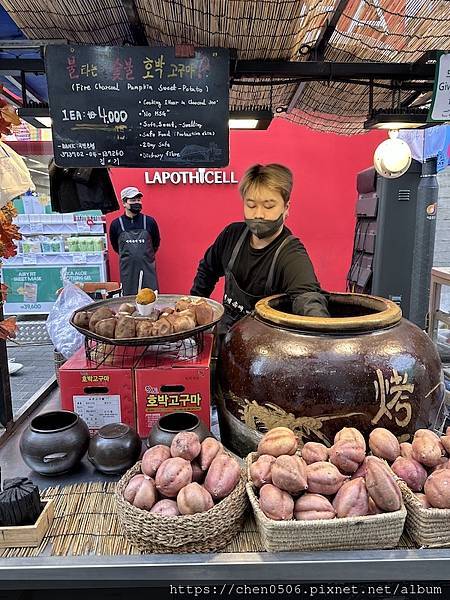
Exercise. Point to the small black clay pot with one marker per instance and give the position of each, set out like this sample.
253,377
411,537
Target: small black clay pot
55,442
169,425
114,448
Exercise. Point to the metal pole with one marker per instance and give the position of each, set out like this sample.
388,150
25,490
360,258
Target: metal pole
6,413
427,198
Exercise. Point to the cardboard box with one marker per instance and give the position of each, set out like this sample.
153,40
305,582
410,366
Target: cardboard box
173,385
100,395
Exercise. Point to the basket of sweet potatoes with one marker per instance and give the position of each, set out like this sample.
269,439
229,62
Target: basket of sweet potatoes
189,497
423,469
323,498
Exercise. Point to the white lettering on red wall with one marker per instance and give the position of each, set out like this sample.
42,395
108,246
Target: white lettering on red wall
200,176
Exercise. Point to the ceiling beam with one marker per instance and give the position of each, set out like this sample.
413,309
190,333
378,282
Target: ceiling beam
318,52
136,27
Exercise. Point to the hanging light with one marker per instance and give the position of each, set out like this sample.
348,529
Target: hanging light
392,157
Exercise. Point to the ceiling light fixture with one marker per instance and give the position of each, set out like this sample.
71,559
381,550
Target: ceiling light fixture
398,118
250,119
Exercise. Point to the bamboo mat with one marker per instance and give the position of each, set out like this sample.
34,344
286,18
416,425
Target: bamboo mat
85,523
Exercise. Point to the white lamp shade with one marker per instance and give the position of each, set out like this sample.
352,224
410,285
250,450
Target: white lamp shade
392,158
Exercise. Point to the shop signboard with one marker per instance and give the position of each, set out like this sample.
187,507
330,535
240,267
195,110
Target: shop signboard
440,102
138,106
33,289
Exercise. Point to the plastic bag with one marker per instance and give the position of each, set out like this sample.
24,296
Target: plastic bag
15,177
66,338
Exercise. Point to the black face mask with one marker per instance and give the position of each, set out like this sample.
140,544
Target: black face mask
264,228
136,207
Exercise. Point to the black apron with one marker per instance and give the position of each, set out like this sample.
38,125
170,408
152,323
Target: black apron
237,302
136,255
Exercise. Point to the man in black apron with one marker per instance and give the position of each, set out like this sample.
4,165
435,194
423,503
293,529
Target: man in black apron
136,239
260,257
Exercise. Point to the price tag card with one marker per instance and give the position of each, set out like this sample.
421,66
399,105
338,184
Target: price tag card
79,258
36,227
29,259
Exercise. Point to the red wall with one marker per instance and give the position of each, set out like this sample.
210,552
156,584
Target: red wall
190,216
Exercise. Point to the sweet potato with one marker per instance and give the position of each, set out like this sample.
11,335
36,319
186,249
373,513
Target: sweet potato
347,455
185,445
106,328
437,489
141,492
193,499
126,327
427,448
444,465
153,458
360,471
223,476
172,475
210,448
289,474
197,474
144,328
411,471
350,434
314,452
311,507
381,485
99,315
82,318
183,304
182,323
260,470
384,444
204,313
423,500
127,308
166,508
162,327
373,508
445,441
352,500
324,478
276,504
278,441
406,450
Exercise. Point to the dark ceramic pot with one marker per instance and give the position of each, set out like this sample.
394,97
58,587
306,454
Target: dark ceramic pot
55,442
363,367
114,448
169,425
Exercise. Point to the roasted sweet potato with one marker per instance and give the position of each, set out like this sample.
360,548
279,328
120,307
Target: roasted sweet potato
186,445
276,504
204,313
384,444
223,476
210,448
427,448
126,327
153,458
144,328
166,508
98,315
106,328
381,485
289,474
347,455
324,478
278,441
411,471
182,323
437,489
352,500
314,452
172,475
82,318
260,470
127,308
312,507
162,327
193,499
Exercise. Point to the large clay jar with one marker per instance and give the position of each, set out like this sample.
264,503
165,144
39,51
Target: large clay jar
114,448
169,425
55,442
363,367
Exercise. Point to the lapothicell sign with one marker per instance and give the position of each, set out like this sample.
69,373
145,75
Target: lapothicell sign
199,176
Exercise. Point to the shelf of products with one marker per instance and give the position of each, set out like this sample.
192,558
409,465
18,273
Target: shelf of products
54,247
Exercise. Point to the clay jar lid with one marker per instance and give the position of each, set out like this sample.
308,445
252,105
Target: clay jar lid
113,431
350,313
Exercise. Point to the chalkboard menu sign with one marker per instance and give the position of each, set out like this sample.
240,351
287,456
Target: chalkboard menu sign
138,106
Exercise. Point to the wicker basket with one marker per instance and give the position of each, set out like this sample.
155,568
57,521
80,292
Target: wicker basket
204,532
351,533
427,527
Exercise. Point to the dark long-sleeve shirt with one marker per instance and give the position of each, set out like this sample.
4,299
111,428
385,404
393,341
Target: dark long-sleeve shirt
293,275
136,222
